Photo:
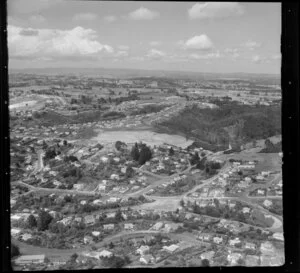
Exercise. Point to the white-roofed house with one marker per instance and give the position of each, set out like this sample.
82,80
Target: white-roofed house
233,258
105,253
143,249
88,239
96,233
108,226
171,248
146,259
278,236
15,232
267,203
128,226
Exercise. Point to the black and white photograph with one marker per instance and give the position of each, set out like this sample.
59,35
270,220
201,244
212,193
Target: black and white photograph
145,134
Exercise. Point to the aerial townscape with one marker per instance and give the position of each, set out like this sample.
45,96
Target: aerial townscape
133,168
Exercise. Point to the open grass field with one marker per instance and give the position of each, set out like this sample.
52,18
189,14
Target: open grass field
146,136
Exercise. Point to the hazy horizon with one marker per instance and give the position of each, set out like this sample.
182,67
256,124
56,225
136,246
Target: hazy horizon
141,69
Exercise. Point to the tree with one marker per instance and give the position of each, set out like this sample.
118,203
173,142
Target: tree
205,263
135,152
118,215
31,221
145,154
171,151
119,145
44,220
182,203
129,172
14,250
111,245
65,142
195,158
73,257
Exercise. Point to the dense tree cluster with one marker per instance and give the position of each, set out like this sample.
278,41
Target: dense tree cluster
120,145
171,151
141,153
270,147
115,261
44,219
71,158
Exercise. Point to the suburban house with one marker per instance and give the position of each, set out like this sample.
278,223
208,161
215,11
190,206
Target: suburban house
88,239
143,249
109,226
105,254
250,246
171,248
233,258
235,241
128,226
207,255
26,236
218,240
204,237
278,236
89,220
96,233
146,259
15,231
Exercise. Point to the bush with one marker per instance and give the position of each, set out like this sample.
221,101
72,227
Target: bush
145,155
31,221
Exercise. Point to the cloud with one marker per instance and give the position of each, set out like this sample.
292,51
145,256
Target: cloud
29,32
155,54
137,59
236,55
37,19
213,55
123,47
55,43
265,60
110,18
201,42
30,6
85,17
122,53
259,60
155,43
215,10
143,14
231,50
251,45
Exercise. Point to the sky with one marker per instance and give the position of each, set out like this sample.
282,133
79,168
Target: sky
220,37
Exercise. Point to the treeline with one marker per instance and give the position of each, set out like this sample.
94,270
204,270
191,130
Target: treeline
271,147
141,153
148,109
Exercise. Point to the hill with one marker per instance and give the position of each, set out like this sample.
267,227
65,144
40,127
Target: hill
231,123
